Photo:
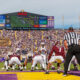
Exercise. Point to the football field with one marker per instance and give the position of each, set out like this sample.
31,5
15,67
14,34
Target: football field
35,76
29,66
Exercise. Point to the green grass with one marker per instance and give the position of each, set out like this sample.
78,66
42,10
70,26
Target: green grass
1,65
29,66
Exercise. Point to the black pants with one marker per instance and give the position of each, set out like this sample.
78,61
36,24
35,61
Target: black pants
72,50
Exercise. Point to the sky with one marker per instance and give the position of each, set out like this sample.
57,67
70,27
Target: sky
70,9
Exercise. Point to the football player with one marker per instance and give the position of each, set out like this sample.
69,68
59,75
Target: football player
38,58
57,54
14,58
43,52
74,62
6,63
28,58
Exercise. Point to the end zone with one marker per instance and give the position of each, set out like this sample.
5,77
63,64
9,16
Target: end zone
36,76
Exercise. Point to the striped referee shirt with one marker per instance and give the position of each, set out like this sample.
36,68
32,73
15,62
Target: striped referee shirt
72,38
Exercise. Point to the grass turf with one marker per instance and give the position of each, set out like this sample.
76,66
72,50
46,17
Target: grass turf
29,66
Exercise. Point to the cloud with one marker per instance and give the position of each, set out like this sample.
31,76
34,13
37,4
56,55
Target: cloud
70,9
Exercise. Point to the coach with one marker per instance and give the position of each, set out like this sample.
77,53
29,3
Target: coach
71,43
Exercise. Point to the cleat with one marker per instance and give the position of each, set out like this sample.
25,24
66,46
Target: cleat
43,69
32,69
58,71
75,69
13,68
7,69
21,69
47,72
25,68
64,74
37,68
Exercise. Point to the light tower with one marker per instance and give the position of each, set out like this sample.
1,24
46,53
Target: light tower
79,22
63,20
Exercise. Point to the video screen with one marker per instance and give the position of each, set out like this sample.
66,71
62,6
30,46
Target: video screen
24,20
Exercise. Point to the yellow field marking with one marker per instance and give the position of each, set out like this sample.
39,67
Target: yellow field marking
41,76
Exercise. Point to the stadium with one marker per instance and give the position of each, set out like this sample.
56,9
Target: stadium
22,36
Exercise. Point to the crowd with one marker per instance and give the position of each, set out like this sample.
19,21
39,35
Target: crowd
31,39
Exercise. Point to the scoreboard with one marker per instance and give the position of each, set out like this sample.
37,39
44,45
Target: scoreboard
25,20
2,21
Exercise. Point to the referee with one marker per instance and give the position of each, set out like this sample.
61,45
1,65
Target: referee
71,43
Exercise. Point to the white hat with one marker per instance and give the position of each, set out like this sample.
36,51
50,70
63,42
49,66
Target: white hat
10,53
17,49
29,54
42,43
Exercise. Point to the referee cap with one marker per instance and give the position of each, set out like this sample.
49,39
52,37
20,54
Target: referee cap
42,43
71,29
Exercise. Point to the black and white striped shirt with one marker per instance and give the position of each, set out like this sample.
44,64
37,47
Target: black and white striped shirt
72,38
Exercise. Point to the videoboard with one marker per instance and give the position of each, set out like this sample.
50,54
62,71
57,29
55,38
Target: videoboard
25,20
